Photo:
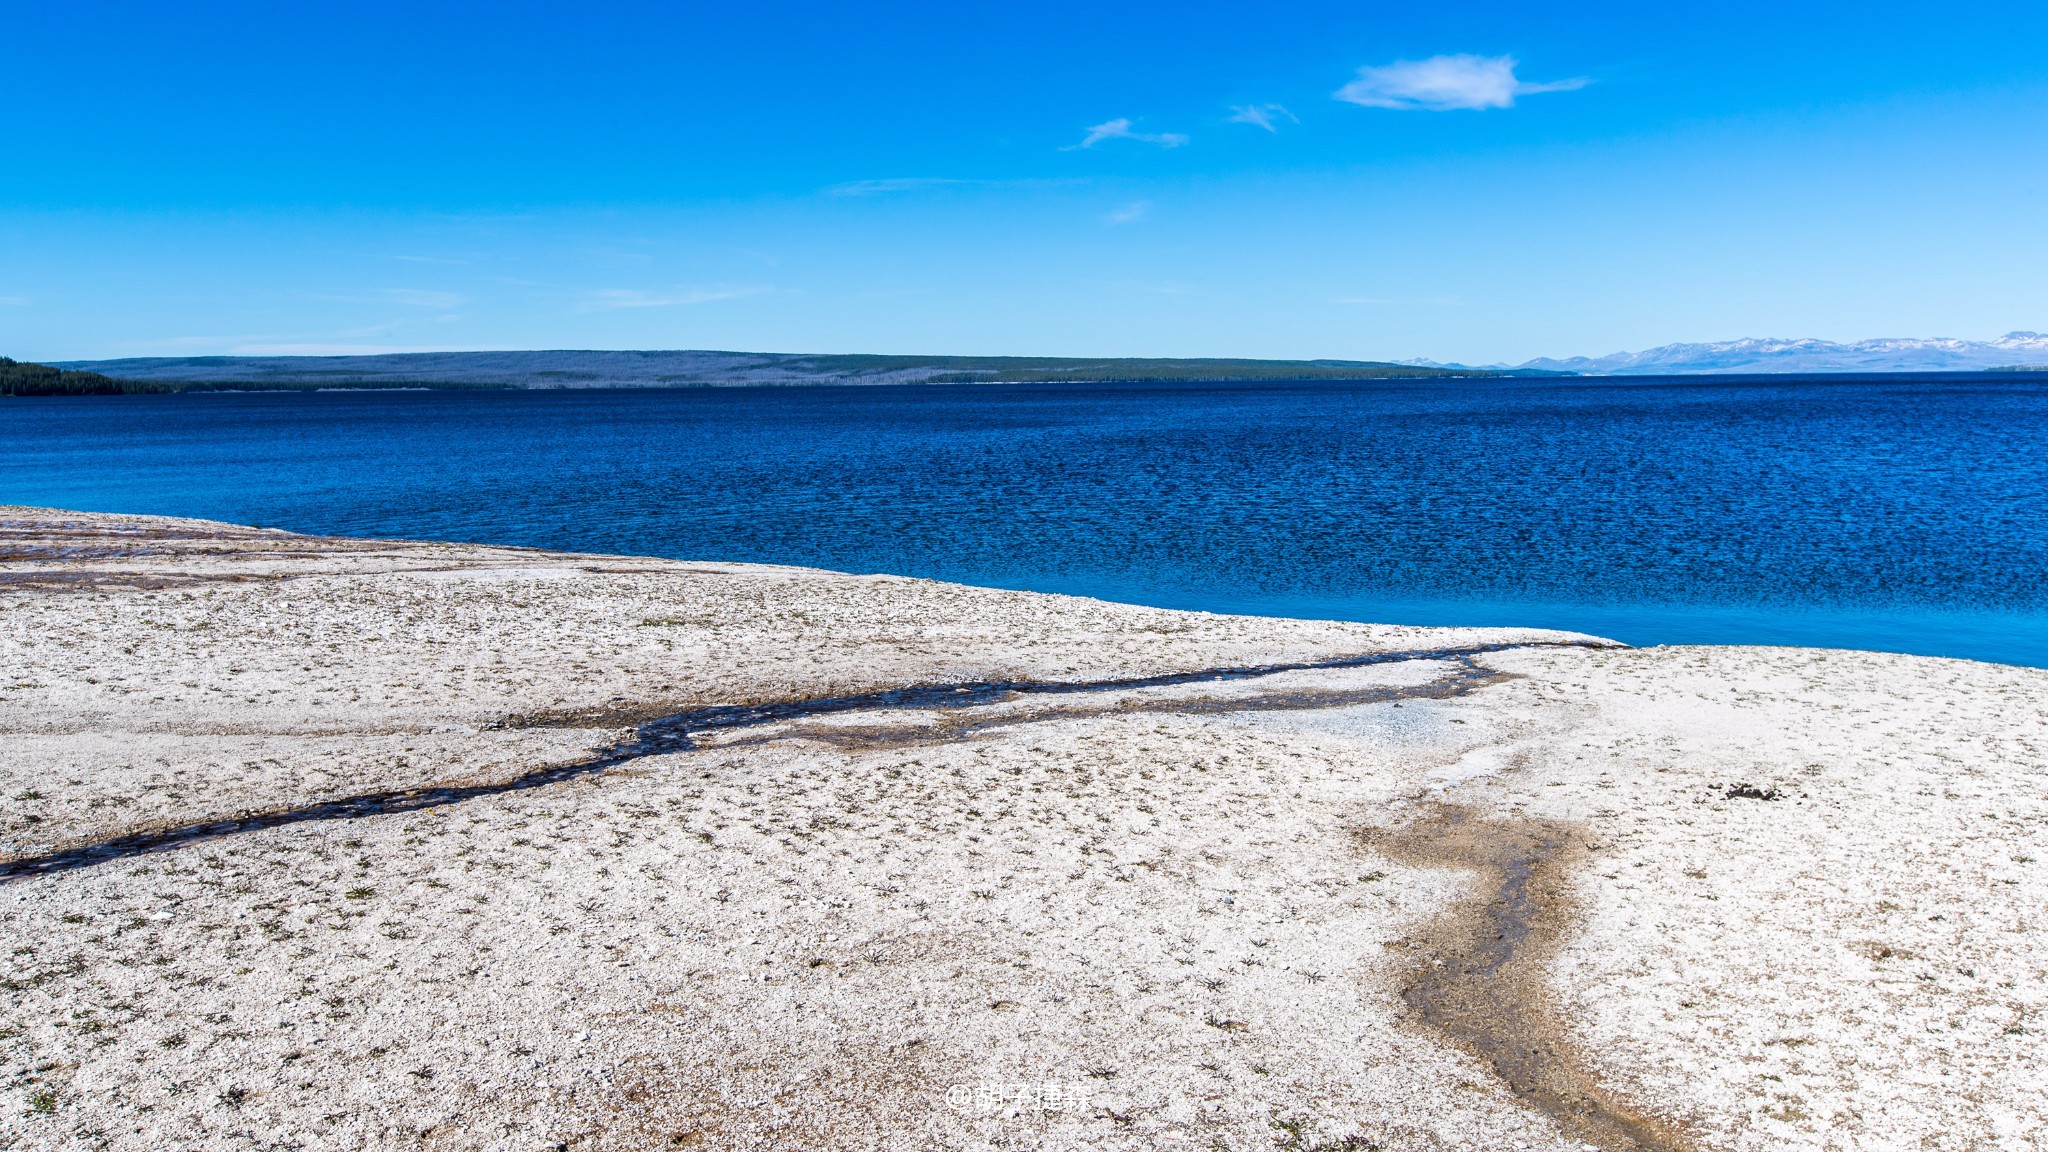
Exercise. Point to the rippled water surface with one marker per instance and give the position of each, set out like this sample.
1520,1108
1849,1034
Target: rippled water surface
1893,513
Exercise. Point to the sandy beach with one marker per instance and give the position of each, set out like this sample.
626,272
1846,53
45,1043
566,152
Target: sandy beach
1240,883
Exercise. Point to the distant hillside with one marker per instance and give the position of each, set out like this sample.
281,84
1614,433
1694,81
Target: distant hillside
2017,351
21,379
2014,350
574,369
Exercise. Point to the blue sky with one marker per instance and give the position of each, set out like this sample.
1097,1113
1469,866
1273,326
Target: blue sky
1470,182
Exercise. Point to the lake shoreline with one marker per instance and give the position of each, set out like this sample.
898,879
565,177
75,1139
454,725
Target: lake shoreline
1177,907
1859,513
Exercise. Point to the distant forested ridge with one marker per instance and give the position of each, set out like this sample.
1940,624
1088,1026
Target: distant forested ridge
21,379
701,369
682,368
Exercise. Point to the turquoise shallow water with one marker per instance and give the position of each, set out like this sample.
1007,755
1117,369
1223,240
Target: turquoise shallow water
1893,513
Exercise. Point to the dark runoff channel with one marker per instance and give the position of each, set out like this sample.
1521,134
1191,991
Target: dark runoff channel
677,733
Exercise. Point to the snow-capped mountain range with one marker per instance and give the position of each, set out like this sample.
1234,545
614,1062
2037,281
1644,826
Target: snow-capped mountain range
2012,350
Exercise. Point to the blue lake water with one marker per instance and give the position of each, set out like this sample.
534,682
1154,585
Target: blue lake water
1885,512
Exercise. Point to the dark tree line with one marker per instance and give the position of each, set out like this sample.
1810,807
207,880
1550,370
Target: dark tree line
19,379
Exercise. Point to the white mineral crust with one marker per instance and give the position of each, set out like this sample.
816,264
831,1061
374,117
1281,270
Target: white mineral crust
1130,924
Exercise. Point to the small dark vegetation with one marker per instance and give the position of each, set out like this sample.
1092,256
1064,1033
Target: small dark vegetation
1292,1135
1752,792
22,379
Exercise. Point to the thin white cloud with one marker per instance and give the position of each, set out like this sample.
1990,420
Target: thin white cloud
425,298
896,184
1267,116
1120,129
1446,84
13,301
613,299
899,185
1130,213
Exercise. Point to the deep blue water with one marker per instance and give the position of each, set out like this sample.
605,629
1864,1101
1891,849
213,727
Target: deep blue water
1891,513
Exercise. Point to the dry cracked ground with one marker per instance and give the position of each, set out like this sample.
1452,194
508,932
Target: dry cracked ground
1481,889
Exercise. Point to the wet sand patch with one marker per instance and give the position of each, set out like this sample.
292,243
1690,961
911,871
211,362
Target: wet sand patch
1479,973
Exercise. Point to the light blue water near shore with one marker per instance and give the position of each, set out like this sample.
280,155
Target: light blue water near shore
1891,513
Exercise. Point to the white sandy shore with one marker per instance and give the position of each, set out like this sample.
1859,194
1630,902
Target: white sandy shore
820,941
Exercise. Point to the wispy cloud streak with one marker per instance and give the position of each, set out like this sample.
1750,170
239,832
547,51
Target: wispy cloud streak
895,184
614,299
1267,116
425,298
909,185
1120,129
1447,84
